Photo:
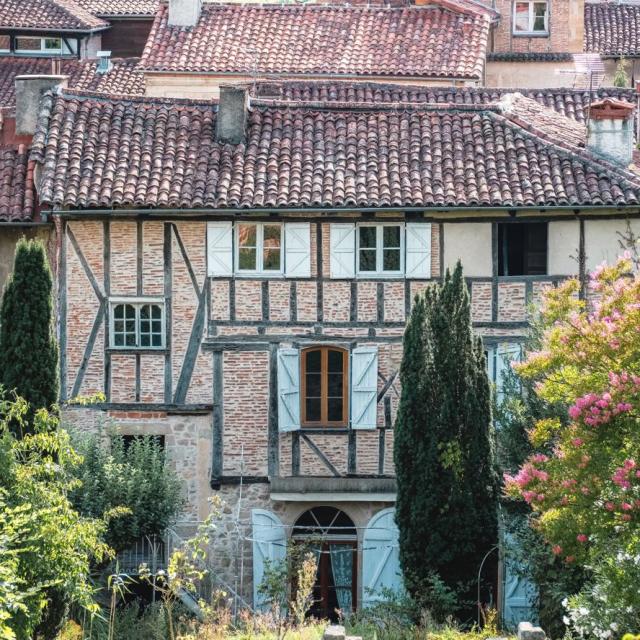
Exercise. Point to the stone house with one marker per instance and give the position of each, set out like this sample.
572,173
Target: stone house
235,278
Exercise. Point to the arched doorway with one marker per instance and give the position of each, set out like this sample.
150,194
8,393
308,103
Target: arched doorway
332,536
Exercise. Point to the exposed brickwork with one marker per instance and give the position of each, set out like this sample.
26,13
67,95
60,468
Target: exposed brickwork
435,250
336,301
279,295
307,300
481,300
248,299
394,301
367,301
246,405
153,258
123,258
539,289
389,466
334,447
83,307
201,387
151,378
511,302
566,28
219,299
123,378
367,452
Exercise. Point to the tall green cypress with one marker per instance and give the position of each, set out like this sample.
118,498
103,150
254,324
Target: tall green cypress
446,507
28,350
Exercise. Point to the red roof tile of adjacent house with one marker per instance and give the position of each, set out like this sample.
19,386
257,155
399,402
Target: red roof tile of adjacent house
163,153
571,103
16,185
120,8
124,78
48,15
612,28
426,41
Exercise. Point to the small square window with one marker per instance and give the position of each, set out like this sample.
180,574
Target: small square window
530,17
380,249
137,325
259,247
522,249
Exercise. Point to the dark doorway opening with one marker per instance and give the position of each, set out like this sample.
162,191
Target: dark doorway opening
331,535
522,249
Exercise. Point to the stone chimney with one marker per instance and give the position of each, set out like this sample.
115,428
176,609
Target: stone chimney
184,13
610,130
29,91
233,110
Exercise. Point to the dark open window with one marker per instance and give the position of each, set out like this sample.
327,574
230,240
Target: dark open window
325,386
522,249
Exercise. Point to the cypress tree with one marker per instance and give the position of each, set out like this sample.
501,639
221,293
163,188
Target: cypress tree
28,350
446,507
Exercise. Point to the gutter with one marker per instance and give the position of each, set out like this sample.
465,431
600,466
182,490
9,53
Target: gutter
47,32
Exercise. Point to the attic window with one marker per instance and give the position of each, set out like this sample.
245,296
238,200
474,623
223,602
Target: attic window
530,18
522,249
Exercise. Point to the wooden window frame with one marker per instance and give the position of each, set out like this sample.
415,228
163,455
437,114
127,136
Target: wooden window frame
259,271
137,303
324,378
380,272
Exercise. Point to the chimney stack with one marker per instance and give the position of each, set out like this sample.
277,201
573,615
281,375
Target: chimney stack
29,91
610,130
233,111
184,13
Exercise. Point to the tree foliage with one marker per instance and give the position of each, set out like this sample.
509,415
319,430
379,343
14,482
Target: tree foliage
46,547
446,507
28,350
133,481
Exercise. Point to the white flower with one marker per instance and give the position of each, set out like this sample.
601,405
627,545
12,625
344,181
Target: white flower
566,620
565,602
613,626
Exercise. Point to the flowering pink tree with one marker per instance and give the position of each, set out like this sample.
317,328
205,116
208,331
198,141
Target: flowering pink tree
585,487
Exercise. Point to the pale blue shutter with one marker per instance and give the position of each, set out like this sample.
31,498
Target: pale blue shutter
297,248
288,389
418,250
220,248
520,593
364,387
506,353
342,246
380,558
269,544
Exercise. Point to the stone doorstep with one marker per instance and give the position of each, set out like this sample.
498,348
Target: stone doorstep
337,632
526,631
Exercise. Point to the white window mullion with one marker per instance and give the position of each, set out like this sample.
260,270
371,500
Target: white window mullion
259,248
379,248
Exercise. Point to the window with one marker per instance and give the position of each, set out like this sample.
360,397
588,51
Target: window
530,18
259,247
380,249
522,249
325,385
35,45
137,324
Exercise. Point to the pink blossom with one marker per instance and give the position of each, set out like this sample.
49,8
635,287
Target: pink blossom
564,501
577,442
569,559
581,537
540,497
625,506
557,549
529,496
585,491
629,464
626,517
609,506
540,457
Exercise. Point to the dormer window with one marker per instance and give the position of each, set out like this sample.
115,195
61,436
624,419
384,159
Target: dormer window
530,18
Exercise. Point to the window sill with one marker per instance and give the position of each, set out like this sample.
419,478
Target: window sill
531,34
132,350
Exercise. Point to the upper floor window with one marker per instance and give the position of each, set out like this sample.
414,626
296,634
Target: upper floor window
137,324
35,45
530,17
325,387
522,249
380,249
259,247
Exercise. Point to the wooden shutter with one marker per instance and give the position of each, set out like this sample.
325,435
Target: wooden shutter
380,558
364,387
220,248
269,544
343,250
418,250
505,353
288,389
520,594
297,246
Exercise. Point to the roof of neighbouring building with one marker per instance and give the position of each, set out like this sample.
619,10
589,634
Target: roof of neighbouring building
444,40
571,103
143,152
16,185
612,28
124,78
48,15
120,8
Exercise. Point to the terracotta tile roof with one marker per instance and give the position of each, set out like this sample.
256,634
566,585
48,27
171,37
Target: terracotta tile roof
162,153
529,56
428,41
120,8
16,185
612,28
124,78
49,15
571,103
